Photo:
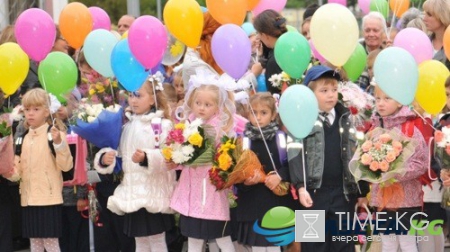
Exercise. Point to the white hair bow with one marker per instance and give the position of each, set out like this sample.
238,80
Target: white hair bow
230,84
54,104
157,79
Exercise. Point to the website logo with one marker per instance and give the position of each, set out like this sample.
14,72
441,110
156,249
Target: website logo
310,226
277,226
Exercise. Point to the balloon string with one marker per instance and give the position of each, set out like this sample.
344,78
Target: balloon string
303,165
48,101
424,120
112,91
9,102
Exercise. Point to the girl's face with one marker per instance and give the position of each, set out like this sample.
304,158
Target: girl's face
141,101
263,115
386,106
305,30
36,116
205,104
61,45
179,86
447,93
431,22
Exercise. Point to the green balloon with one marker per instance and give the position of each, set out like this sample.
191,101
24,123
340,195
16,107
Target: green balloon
292,53
278,217
291,28
380,6
356,63
58,74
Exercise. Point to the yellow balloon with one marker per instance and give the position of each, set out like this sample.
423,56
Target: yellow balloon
124,35
431,87
334,33
184,20
14,64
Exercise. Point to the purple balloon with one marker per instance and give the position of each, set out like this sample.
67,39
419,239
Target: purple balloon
100,18
35,32
416,42
148,40
231,49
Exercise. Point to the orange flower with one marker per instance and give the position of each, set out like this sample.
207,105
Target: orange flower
384,166
438,136
390,157
397,145
366,159
384,138
374,166
378,145
366,146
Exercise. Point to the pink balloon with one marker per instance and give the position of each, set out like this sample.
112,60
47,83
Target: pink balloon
416,42
316,54
364,5
100,18
35,32
341,2
148,40
263,5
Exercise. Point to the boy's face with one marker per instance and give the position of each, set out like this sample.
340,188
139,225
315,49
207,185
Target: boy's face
447,93
326,93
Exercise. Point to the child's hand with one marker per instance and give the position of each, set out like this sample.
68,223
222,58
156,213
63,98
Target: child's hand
305,198
171,165
272,181
56,135
252,180
138,156
108,158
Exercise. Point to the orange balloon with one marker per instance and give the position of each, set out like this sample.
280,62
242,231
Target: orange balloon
399,7
252,4
184,20
227,11
447,43
75,23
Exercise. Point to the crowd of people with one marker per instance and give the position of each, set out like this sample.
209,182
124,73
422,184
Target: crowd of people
154,204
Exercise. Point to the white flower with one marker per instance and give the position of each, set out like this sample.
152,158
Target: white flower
113,108
91,119
187,150
275,79
17,113
81,115
178,157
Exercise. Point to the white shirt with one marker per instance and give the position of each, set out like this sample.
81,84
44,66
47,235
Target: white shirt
331,116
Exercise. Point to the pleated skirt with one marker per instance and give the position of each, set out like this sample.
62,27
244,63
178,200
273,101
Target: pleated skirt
42,221
204,229
143,223
247,236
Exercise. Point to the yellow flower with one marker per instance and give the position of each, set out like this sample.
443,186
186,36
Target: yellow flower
227,146
180,126
196,139
167,153
176,49
100,88
114,84
224,161
285,76
92,92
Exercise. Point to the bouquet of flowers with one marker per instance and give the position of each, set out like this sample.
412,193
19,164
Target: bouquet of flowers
280,81
442,153
189,143
224,162
6,144
382,155
360,104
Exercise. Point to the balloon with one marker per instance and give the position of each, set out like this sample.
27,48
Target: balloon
125,35
399,7
184,20
298,110
174,51
204,9
315,53
130,73
341,2
35,32
291,28
416,42
227,11
75,23
100,18
292,53
277,5
58,74
334,32
14,70
248,28
97,48
380,6
356,64
395,72
251,4
431,87
147,39
231,49
364,5
447,42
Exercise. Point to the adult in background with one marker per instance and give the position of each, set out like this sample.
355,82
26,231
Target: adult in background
270,25
125,23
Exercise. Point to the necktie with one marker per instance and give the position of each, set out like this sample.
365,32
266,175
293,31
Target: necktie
325,120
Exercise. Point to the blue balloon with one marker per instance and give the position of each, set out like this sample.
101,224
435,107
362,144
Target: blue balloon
97,48
248,28
397,74
298,110
129,72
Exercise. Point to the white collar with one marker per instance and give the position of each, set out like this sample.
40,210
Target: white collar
146,117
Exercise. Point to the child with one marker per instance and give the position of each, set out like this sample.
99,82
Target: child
205,212
391,114
39,163
254,198
179,86
328,150
144,193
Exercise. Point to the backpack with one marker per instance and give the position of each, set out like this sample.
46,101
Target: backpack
19,142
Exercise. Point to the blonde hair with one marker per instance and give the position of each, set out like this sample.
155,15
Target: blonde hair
439,9
224,101
418,23
322,81
38,97
161,99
